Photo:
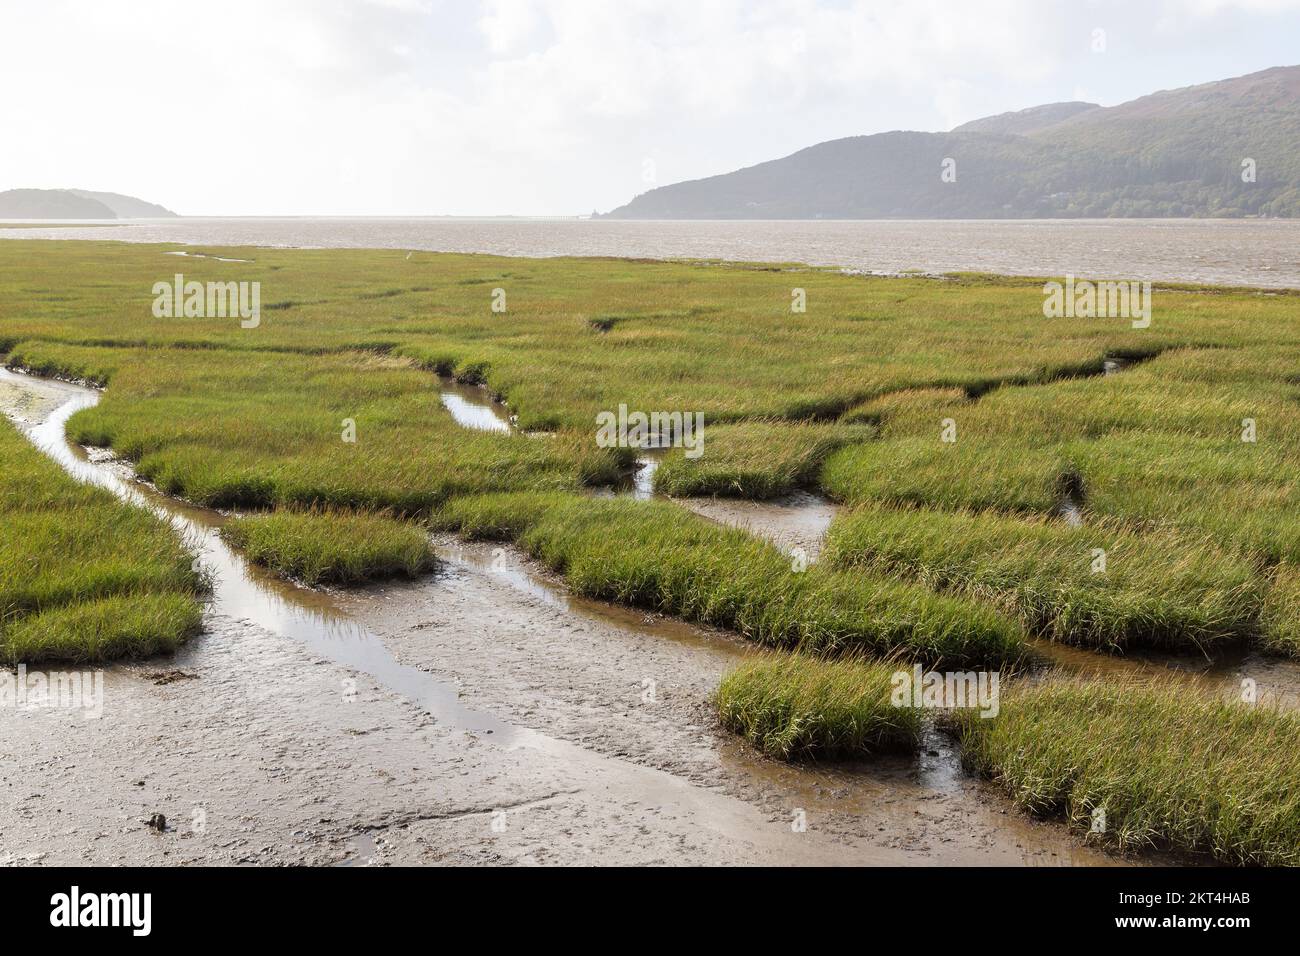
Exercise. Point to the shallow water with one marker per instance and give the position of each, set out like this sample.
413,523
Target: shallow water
527,578
640,483
473,407
796,521
200,255
1223,251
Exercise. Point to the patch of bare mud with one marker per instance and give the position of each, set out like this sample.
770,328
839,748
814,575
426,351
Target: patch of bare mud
635,687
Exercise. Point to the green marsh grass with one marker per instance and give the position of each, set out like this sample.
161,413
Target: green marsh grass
334,547
792,706
658,556
97,631
84,577
713,337
1203,528
1281,613
1168,765
251,418
761,459
257,430
1103,585
880,408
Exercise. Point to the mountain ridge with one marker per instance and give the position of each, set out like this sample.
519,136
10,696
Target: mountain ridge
76,204
1174,153
1023,122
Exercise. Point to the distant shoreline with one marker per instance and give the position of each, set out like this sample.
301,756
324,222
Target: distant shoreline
1249,253
56,224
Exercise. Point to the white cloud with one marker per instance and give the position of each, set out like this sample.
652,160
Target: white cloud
529,106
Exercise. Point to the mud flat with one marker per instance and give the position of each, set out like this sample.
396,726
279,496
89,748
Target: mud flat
481,715
635,688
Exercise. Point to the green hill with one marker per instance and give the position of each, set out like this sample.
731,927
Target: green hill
75,204
1175,153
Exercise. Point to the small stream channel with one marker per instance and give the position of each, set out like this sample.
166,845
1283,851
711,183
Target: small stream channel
242,590
473,406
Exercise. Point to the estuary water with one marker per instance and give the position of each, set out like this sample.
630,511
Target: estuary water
1216,251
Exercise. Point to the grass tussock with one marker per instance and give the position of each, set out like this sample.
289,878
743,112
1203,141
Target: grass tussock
1169,766
1103,585
83,576
658,556
908,401
792,706
334,547
93,632
755,460
1198,443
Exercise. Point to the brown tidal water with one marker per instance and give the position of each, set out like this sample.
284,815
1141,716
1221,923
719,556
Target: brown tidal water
1214,251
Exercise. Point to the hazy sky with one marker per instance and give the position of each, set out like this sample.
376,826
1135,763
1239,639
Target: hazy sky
536,107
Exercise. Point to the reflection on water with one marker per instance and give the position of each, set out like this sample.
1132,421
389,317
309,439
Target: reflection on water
795,523
473,407
641,483
201,255
1070,511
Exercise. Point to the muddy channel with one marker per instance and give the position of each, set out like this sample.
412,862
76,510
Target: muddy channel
481,714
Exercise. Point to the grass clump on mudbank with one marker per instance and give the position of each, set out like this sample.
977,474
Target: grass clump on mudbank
754,459
83,576
126,625
1168,765
334,547
1103,585
659,556
1015,476
882,408
791,706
